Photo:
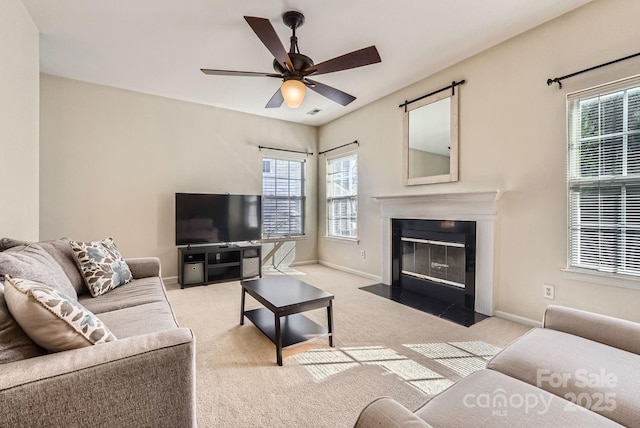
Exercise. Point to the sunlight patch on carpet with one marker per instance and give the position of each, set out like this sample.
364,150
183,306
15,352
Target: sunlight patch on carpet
324,363
407,369
432,386
438,350
477,347
372,353
461,358
324,371
463,366
322,356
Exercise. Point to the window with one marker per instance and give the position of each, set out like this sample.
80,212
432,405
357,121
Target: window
604,178
342,196
282,198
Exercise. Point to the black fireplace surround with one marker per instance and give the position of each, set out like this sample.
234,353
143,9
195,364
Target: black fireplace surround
435,258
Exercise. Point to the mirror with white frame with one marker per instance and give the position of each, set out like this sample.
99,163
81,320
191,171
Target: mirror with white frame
431,140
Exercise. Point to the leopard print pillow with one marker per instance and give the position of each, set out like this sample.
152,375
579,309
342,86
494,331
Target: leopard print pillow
101,265
51,319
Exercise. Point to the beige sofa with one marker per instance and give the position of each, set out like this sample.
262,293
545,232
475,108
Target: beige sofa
145,378
581,369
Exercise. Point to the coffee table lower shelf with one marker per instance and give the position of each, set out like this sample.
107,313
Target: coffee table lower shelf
294,328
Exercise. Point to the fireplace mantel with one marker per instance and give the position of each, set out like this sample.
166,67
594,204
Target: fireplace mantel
457,206
481,207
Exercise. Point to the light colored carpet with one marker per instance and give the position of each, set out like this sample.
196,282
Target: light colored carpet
382,348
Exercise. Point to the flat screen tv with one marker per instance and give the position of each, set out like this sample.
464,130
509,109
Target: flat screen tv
217,218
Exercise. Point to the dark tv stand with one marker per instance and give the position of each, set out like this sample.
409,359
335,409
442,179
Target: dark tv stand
215,263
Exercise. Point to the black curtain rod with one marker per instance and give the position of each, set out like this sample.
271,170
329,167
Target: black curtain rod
286,150
453,92
339,147
558,80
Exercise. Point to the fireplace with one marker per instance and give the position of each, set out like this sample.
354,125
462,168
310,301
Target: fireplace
478,207
435,258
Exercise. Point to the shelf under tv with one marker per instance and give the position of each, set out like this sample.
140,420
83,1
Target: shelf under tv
211,264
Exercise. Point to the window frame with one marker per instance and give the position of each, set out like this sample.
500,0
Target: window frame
302,199
330,198
581,185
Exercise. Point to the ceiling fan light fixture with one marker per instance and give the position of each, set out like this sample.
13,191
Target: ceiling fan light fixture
293,67
293,92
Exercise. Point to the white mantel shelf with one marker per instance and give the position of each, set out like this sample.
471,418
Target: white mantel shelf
487,196
453,206
480,207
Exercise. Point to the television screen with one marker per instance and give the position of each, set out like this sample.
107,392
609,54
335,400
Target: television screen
212,218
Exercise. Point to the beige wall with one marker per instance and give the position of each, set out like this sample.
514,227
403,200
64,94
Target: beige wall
111,161
512,137
19,86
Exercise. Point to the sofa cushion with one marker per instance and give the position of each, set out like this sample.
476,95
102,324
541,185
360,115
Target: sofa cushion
489,398
141,319
14,343
137,292
599,377
101,265
51,319
60,250
32,262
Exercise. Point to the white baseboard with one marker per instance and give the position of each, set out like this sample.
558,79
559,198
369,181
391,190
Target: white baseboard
300,263
304,262
517,318
170,279
349,270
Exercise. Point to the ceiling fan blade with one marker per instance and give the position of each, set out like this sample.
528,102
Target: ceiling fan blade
276,100
353,59
238,73
332,93
266,33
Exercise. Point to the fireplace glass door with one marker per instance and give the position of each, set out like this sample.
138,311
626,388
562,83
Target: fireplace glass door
437,261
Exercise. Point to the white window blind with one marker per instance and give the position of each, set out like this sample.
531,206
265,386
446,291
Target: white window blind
283,200
342,196
604,178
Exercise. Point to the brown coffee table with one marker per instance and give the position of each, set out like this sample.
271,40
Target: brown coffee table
284,298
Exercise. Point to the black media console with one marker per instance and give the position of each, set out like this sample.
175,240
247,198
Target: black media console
214,263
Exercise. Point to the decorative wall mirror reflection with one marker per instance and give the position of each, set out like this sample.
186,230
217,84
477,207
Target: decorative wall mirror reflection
430,152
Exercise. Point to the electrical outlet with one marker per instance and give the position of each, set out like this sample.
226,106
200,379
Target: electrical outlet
549,291
363,254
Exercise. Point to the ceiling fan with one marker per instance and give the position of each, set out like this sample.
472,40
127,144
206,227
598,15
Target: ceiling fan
294,68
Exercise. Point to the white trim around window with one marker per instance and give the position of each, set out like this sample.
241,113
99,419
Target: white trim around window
603,184
283,198
342,197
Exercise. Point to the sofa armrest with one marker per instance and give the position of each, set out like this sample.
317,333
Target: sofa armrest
619,333
146,380
144,267
385,412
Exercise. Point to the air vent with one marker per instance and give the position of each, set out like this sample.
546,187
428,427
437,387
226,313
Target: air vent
314,111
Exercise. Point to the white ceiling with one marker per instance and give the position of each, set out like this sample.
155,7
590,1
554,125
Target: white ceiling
159,46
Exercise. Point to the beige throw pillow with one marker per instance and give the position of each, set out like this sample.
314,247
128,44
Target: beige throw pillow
14,343
51,319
